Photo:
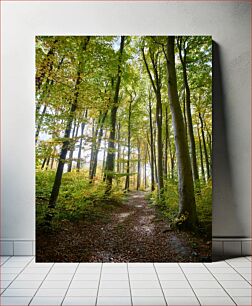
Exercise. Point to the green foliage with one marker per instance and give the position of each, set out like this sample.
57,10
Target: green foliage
169,204
78,199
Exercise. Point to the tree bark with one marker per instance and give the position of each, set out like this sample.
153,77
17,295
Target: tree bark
151,148
83,124
127,181
201,156
188,112
204,146
138,165
111,144
187,205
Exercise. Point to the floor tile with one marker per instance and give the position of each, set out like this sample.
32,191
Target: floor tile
15,300
239,291
144,270
5,283
30,270
204,284
21,258
14,264
216,264
4,259
89,270
146,292
87,277
84,284
19,292
114,284
243,300
243,270
104,300
59,277
47,300
172,276
178,292
25,284
148,300
248,277
55,284
117,276
235,284
220,300
241,264
228,276
82,292
210,292
195,270
114,268
63,269
51,292
114,292
8,276
168,270
200,276
220,270
79,301
237,259
9,270
175,300
175,284
138,276
145,284
165,264
29,276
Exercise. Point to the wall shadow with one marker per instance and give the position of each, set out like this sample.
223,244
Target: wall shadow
225,214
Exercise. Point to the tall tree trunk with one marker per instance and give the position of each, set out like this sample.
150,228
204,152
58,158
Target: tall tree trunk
156,84
129,148
188,113
155,155
40,120
204,146
187,205
151,148
138,165
118,147
201,156
97,148
66,142
111,144
72,146
166,143
83,124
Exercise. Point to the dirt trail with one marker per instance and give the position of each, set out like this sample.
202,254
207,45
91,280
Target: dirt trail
135,232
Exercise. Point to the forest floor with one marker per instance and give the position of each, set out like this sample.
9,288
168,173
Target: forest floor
133,231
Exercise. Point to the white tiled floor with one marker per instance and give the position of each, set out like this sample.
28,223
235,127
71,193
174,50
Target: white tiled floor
24,282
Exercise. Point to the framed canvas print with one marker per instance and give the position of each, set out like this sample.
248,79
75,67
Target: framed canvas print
123,148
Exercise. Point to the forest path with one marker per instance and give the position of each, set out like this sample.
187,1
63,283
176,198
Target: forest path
133,231
138,233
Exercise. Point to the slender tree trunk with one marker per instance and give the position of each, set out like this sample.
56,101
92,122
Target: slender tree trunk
138,165
72,146
66,142
111,144
201,156
118,148
151,148
40,120
129,148
83,124
204,146
189,115
97,149
187,205
166,143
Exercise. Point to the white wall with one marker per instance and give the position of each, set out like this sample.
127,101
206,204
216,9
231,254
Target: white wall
227,22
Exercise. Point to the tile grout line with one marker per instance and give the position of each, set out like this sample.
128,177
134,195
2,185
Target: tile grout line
220,284
98,288
9,257
189,284
16,275
69,284
239,273
160,283
131,298
41,282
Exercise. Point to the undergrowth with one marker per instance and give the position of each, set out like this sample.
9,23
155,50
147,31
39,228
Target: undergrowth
78,198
